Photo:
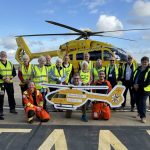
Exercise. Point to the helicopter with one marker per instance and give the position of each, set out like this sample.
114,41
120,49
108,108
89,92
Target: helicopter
76,48
70,97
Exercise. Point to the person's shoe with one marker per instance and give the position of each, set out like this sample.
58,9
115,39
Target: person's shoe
122,108
84,118
31,121
13,111
1,114
138,116
1,118
143,120
132,109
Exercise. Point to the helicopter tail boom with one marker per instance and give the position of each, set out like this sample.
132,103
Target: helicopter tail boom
23,49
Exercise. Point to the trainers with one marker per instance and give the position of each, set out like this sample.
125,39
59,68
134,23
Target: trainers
13,111
143,120
31,121
132,109
84,118
1,114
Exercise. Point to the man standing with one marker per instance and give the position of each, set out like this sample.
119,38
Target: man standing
69,70
128,70
97,69
141,87
7,72
112,72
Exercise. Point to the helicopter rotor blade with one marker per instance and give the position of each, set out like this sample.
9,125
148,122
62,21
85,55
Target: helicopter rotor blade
93,33
47,34
115,37
66,26
80,37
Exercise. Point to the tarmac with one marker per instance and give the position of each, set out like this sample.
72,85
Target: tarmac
122,131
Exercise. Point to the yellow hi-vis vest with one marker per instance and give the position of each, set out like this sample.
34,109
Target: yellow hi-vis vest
116,71
90,65
134,68
40,76
96,72
6,71
48,70
26,73
147,88
68,71
57,74
85,76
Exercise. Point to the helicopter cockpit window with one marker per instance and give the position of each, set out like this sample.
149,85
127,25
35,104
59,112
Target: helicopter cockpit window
94,55
79,56
71,56
106,55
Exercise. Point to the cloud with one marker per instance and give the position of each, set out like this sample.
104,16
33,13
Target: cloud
141,8
93,5
109,23
8,43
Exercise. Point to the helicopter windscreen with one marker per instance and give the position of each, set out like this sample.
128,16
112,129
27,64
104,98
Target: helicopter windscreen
120,54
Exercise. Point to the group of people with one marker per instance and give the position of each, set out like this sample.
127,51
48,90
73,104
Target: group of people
135,78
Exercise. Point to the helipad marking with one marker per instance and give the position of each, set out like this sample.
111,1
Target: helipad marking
15,130
108,139
148,131
57,138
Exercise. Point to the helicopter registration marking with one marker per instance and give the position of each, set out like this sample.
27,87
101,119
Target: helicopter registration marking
76,95
74,100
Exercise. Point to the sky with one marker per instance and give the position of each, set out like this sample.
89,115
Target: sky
28,17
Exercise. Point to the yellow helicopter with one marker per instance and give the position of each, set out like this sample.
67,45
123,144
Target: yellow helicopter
71,97
76,48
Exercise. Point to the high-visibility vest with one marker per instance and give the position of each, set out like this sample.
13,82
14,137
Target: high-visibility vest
40,76
6,71
48,70
26,72
96,72
49,67
85,76
90,65
57,74
116,71
125,66
147,88
68,71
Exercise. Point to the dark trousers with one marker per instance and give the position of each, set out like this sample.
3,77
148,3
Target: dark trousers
23,89
127,84
141,103
8,87
44,104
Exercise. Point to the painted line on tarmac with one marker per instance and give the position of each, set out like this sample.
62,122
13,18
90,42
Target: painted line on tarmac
15,130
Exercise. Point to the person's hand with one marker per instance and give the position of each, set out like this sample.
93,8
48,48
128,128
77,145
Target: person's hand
7,79
135,86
